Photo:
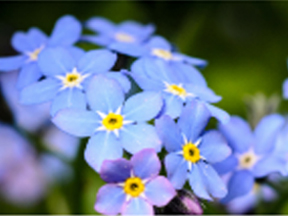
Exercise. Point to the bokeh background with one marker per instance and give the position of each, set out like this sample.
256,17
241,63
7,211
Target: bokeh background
245,43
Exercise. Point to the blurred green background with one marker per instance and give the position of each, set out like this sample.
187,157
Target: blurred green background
245,43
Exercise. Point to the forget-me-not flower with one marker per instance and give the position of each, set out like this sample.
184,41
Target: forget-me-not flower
191,152
111,124
134,186
66,32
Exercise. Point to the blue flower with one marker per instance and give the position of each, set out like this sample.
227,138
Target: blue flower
253,153
191,152
67,75
112,125
176,88
126,37
134,186
66,32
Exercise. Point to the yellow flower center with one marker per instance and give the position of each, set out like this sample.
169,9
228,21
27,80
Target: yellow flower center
123,37
72,79
134,186
34,55
247,160
191,152
177,90
161,53
113,121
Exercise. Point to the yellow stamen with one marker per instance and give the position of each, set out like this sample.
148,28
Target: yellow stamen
134,186
123,37
113,121
177,90
161,53
191,152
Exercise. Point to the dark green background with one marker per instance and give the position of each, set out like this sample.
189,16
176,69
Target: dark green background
245,43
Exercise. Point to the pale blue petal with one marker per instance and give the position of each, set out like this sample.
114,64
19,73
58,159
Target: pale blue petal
20,42
97,61
169,133
242,204
101,40
159,43
102,146
104,94
173,105
218,113
36,38
146,83
214,147
193,120
116,171
76,52
270,164
142,106
159,191
239,184
266,131
66,32
68,98
76,122
177,170
110,199
121,79
130,49
203,93
11,63
134,138
40,92
285,89
137,206
138,67
146,164
56,61
227,165
238,134
191,60
140,31
100,25
28,74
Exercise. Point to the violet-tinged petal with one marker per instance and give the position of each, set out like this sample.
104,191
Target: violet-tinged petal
76,122
159,191
115,171
11,63
28,74
137,206
110,199
102,146
227,165
40,92
146,164
242,204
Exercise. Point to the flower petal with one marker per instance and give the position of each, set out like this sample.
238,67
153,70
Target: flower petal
115,171
227,165
176,167
270,164
134,138
36,38
130,49
159,43
11,63
101,40
121,78
203,93
67,31
104,94
146,164
284,89
39,92
137,206
100,25
142,106
218,113
102,146
29,74
191,60
76,122
110,199
169,133
173,105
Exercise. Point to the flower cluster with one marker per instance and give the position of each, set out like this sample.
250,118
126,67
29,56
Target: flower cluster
159,103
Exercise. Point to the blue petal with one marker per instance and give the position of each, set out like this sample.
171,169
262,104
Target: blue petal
121,79
242,204
11,63
147,83
110,199
138,67
227,165
102,146
192,60
203,93
239,184
56,61
270,164
67,31
159,43
101,40
100,25
141,32
68,98
238,134
134,138
285,89
176,167
137,206
173,105
214,147
36,38
169,133
146,164
76,52
104,94
193,120
40,92
219,114
29,74
142,106
130,49
159,191
116,171
76,122
97,61
266,131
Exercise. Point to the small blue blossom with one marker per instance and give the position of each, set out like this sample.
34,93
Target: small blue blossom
67,74
66,32
253,153
134,186
191,152
126,37
111,124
